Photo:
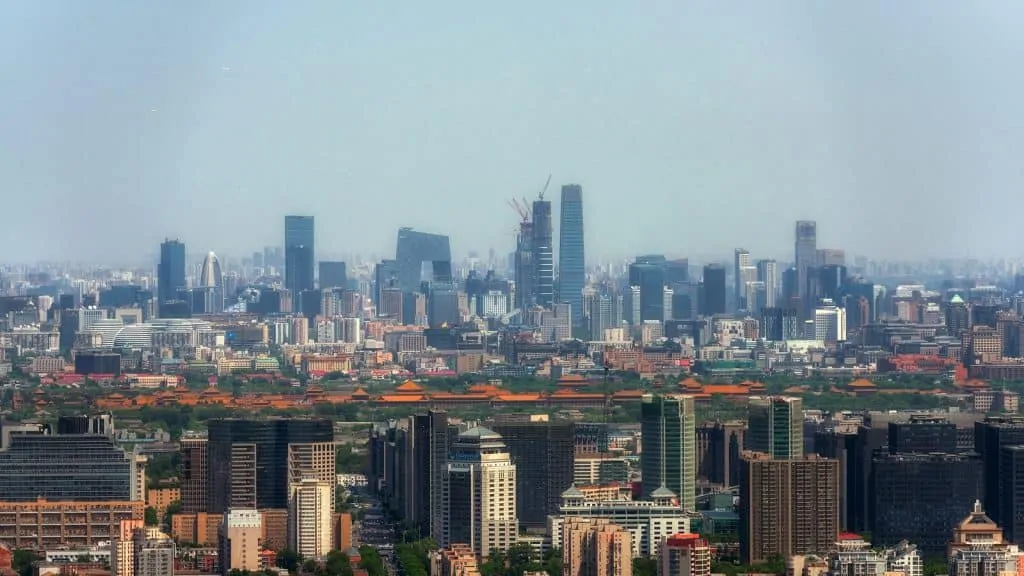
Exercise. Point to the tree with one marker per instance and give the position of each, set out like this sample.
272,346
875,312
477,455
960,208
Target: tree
152,519
173,508
289,560
22,561
370,560
337,563
645,567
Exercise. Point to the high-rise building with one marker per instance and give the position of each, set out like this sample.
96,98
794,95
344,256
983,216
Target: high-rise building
787,507
714,290
741,261
310,528
79,467
136,550
605,312
543,451
314,460
776,426
669,455
572,274
719,445
921,497
479,501
428,452
171,271
677,271
650,278
122,548
805,255
333,275
768,272
649,522
685,555
525,269
385,278
923,434
1011,491
248,460
990,436
422,257
595,547
299,253
829,323
239,540
192,473
543,253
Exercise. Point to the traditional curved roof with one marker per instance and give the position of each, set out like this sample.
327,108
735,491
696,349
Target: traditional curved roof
409,387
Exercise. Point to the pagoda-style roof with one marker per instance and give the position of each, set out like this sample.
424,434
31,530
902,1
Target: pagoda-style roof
409,387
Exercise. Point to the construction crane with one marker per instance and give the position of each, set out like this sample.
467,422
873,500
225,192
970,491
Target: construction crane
545,188
521,209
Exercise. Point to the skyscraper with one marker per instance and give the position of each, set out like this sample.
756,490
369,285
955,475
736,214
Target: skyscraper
247,460
543,252
741,262
669,456
299,253
525,271
650,278
571,265
333,275
768,272
805,256
543,451
421,256
776,426
171,271
787,507
714,289
479,501
210,292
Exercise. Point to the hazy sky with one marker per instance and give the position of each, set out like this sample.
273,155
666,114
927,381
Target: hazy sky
694,127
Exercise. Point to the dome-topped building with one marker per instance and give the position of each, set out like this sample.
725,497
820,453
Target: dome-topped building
210,275
479,503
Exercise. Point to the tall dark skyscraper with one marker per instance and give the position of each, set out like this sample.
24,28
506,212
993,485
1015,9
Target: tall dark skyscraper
299,253
651,280
714,289
572,274
171,271
669,456
248,459
543,253
416,249
525,271
805,255
333,275
543,452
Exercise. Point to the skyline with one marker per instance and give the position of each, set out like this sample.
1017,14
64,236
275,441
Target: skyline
185,121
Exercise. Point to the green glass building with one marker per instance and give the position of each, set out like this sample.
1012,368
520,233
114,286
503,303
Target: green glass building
776,426
668,428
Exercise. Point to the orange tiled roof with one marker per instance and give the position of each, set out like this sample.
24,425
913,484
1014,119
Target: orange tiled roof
398,398
409,387
862,383
727,389
527,397
690,383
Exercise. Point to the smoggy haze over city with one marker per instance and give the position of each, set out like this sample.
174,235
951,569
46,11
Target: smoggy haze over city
694,127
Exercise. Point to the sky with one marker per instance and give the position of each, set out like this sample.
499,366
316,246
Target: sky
694,127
